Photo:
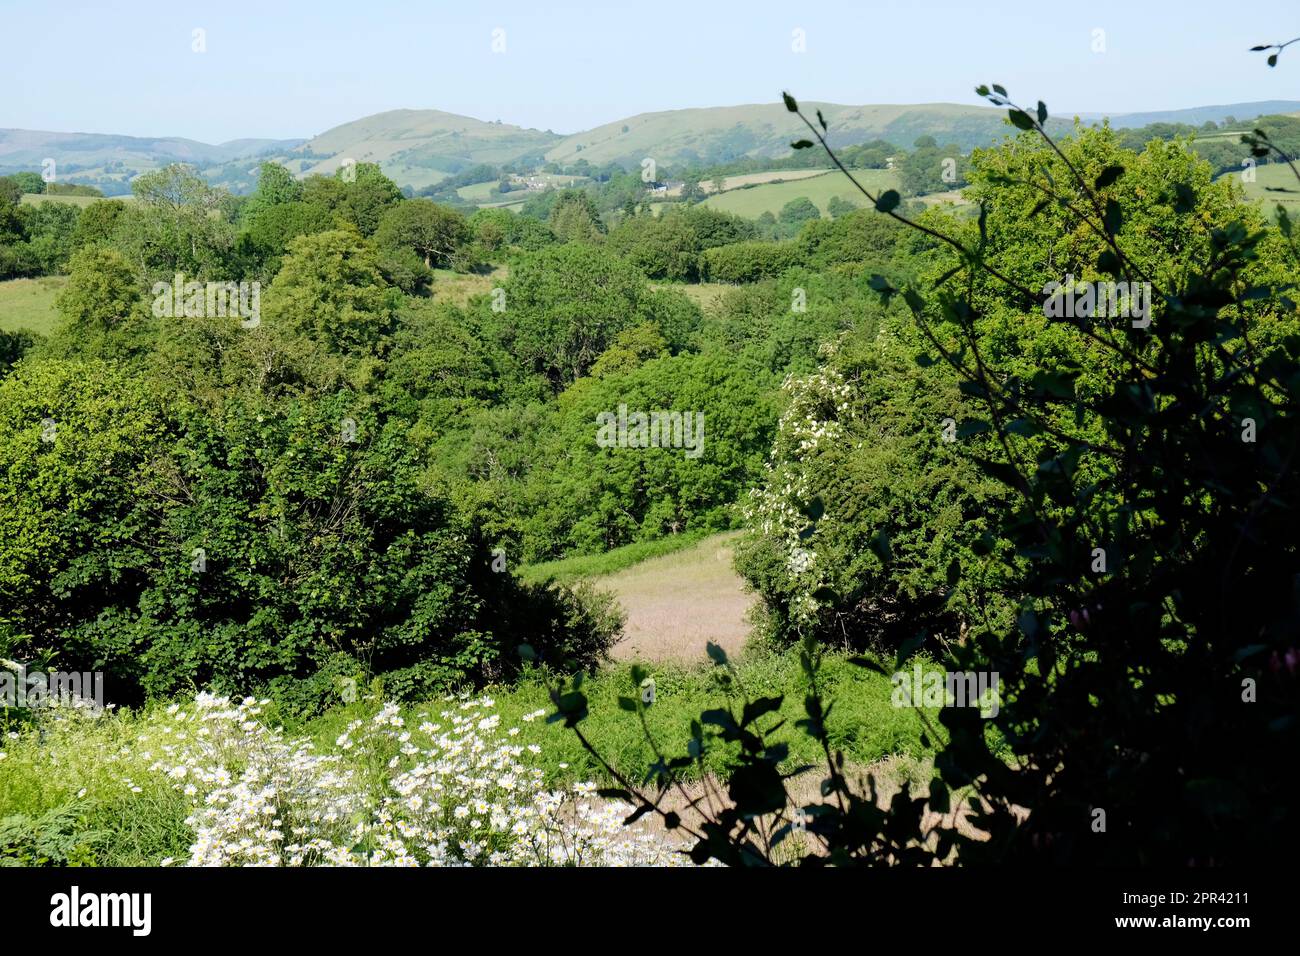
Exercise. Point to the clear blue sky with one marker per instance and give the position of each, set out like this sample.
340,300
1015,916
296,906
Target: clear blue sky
276,68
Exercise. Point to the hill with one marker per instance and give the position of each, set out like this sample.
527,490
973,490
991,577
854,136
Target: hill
1198,115
109,162
418,148
719,134
421,147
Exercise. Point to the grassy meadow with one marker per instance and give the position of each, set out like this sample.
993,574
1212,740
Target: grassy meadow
29,303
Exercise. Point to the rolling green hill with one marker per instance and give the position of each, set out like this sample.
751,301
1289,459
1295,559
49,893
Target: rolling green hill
109,162
421,147
718,134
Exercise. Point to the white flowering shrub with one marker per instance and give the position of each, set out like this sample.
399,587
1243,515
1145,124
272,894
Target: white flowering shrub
780,508
450,791
868,511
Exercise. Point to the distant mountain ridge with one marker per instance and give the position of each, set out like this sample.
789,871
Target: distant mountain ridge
421,147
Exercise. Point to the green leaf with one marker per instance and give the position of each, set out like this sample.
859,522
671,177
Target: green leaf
879,545
1113,218
801,144
1020,119
888,201
790,104
1042,112
1108,176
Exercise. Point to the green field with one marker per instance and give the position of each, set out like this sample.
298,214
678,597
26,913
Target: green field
1267,188
29,303
35,199
770,197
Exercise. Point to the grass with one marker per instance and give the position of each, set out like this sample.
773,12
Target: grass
457,288
29,303
1270,179
678,603
753,201
755,179
36,199
94,775
706,295
864,723
568,570
89,768
770,197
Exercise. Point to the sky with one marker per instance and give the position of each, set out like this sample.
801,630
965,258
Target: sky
284,69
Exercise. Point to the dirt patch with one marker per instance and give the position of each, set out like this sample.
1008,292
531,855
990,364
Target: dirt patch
693,801
679,602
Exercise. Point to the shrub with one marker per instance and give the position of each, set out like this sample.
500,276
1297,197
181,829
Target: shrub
747,261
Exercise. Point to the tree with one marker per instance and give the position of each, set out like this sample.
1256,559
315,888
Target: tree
573,217
102,291
691,191
748,261
330,288
838,207
368,197
178,224
269,230
433,232
1138,716
29,182
275,185
97,222
795,213
590,497
663,247
50,229
563,307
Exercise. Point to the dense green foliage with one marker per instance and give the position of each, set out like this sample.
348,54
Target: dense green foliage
1094,507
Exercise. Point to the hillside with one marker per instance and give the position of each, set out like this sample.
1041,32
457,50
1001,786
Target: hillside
420,147
717,134
109,162
1198,115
